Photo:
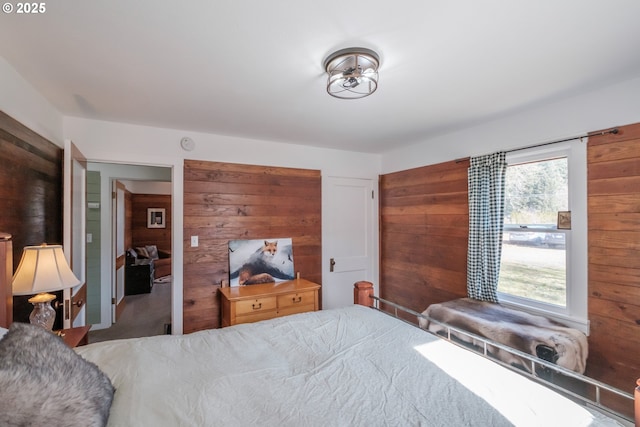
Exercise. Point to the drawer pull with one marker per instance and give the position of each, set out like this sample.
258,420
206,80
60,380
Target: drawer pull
296,300
258,307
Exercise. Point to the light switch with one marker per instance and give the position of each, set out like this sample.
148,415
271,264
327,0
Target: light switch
194,241
89,238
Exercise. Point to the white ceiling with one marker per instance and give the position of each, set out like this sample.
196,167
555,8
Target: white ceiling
253,68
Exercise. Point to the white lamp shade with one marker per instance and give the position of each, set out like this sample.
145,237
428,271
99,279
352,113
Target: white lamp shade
43,269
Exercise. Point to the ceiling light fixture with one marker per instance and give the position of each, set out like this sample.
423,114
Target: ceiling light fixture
353,73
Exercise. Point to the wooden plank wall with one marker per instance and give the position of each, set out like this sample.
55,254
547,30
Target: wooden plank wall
31,194
30,187
424,230
224,202
141,235
614,257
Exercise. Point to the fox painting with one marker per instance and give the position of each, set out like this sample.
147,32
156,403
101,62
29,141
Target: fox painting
270,247
266,264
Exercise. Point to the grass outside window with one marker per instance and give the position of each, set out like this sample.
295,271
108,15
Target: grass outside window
537,273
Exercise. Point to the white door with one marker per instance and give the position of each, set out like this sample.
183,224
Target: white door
350,238
75,246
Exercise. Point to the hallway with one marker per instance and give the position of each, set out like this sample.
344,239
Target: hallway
143,315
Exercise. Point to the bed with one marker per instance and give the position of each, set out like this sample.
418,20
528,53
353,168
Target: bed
343,367
352,366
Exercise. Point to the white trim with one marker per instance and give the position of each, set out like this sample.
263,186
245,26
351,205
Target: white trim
575,314
331,280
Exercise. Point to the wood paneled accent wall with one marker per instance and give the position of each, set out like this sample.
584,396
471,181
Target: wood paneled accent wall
223,202
141,235
614,257
31,194
424,233
30,187
424,230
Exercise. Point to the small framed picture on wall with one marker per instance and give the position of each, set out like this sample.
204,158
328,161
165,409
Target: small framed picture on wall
156,218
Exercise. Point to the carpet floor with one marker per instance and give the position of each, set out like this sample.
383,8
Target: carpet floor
143,315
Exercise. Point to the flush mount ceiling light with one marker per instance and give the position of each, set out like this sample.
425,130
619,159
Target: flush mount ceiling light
353,73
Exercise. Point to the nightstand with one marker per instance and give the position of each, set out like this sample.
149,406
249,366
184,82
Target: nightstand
75,337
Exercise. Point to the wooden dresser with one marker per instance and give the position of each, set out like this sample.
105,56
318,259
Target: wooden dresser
246,304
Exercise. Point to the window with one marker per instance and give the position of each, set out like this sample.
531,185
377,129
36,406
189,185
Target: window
533,263
539,270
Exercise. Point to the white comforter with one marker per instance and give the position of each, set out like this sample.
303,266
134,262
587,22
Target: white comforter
348,367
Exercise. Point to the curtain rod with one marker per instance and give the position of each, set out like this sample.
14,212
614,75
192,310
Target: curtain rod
613,131
605,132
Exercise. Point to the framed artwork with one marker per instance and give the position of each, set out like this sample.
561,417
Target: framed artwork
260,261
564,220
156,218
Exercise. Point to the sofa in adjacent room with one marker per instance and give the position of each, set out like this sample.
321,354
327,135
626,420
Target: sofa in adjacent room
161,259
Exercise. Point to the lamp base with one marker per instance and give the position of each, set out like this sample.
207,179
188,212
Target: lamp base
43,314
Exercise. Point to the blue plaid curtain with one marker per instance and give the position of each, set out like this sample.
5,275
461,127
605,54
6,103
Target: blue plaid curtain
486,220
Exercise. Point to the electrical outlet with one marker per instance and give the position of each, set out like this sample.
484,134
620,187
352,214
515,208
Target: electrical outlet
194,241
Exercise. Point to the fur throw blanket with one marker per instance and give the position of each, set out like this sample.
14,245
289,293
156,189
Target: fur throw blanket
45,383
536,335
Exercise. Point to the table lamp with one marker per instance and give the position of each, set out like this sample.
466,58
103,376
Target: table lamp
43,269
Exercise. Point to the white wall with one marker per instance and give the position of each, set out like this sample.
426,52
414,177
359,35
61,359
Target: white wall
149,187
123,143
615,105
21,101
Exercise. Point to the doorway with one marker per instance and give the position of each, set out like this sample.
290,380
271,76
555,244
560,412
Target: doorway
119,197
349,205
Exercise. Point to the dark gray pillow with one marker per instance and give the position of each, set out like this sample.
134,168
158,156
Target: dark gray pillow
44,382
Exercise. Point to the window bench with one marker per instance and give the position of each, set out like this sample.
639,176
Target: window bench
536,335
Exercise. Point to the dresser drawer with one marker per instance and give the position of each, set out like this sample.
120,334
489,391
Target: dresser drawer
298,299
255,306
295,309
254,317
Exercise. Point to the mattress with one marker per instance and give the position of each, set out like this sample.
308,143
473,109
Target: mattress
345,367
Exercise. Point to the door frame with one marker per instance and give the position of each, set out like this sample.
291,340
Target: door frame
327,205
74,232
118,248
133,171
